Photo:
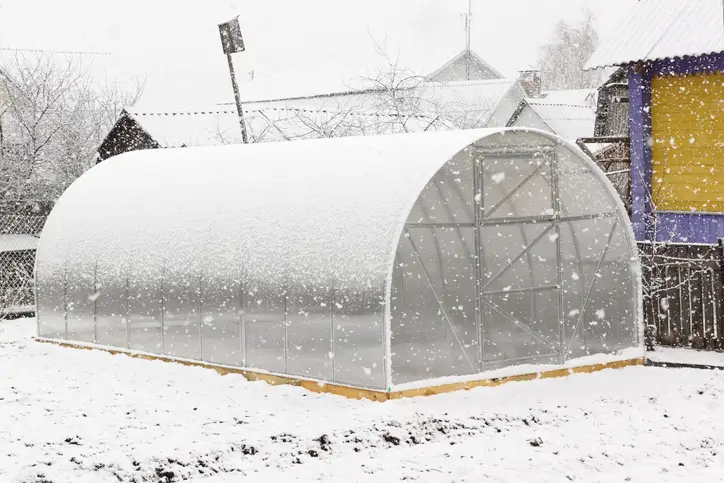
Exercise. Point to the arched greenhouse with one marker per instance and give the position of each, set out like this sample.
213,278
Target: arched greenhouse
385,263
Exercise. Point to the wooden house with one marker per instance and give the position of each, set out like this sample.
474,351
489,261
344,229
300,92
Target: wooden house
672,56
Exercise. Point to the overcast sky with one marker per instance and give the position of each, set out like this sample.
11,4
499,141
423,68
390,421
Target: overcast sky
293,46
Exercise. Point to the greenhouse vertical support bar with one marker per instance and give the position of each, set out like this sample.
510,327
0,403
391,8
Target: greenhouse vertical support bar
242,320
552,159
478,205
162,295
201,313
332,335
95,303
128,315
285,322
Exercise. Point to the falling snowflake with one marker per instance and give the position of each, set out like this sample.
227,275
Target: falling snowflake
664,303
498,177
601,314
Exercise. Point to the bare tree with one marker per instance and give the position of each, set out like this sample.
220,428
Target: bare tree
53,119
562,58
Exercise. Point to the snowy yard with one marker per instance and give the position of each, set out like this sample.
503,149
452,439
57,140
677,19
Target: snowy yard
81,416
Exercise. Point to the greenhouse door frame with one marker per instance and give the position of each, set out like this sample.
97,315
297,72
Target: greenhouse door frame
481,219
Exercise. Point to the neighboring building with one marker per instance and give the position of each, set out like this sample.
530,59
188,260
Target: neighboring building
569,121
612,112
673,55
429,106
138,129
576,97
467,65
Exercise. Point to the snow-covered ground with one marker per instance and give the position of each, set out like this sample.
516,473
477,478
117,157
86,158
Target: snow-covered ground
677,355
84,416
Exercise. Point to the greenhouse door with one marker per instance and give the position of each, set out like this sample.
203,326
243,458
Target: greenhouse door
518,247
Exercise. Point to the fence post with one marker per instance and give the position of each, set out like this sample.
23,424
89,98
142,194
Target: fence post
718,294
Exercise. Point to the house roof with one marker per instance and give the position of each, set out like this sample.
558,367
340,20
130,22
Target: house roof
442,106
569,121
462,55
449,98
659,29
274,123
579,97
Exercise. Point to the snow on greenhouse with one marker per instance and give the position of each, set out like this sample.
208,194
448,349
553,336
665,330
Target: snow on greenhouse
391,265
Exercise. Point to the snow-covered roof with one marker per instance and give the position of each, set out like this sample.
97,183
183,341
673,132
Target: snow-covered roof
659,29
571,96
282,122
354,112
15,243
319,208
569,121
483,96
471,55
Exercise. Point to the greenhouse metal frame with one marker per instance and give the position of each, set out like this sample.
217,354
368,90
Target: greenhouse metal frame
439,258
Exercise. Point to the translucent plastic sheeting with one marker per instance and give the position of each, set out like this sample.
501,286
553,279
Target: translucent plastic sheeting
50,298
541,272
111,303
368,262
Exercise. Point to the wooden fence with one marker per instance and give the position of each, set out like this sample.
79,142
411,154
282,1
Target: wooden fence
683,288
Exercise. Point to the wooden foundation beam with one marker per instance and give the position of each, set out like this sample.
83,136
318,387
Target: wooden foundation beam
354,392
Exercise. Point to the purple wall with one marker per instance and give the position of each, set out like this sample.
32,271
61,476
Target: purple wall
680,227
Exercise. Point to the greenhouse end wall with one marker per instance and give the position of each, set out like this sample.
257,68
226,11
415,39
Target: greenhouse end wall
438,255
517,252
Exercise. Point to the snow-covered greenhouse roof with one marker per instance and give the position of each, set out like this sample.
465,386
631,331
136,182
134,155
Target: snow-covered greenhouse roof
659,29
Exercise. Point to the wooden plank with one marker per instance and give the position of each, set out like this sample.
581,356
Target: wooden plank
354,392
688,148
464,386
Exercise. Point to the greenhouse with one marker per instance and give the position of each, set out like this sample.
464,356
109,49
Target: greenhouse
381,263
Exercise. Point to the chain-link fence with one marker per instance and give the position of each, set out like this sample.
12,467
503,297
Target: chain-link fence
18,242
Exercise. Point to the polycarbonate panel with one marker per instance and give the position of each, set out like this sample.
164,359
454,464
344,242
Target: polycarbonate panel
144,308
221,310
359,347
80,300
50,294
516,187
581,192
449,195
534,246
428,340
309,330
112,303
598,318
182,313
265,337
520,326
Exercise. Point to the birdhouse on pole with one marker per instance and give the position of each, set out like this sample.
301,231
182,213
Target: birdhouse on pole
231,39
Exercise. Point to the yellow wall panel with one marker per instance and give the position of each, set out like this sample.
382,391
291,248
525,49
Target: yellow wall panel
687,126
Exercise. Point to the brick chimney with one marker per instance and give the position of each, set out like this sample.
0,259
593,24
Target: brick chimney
531,82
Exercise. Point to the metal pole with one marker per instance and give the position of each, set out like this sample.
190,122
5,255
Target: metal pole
237,97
